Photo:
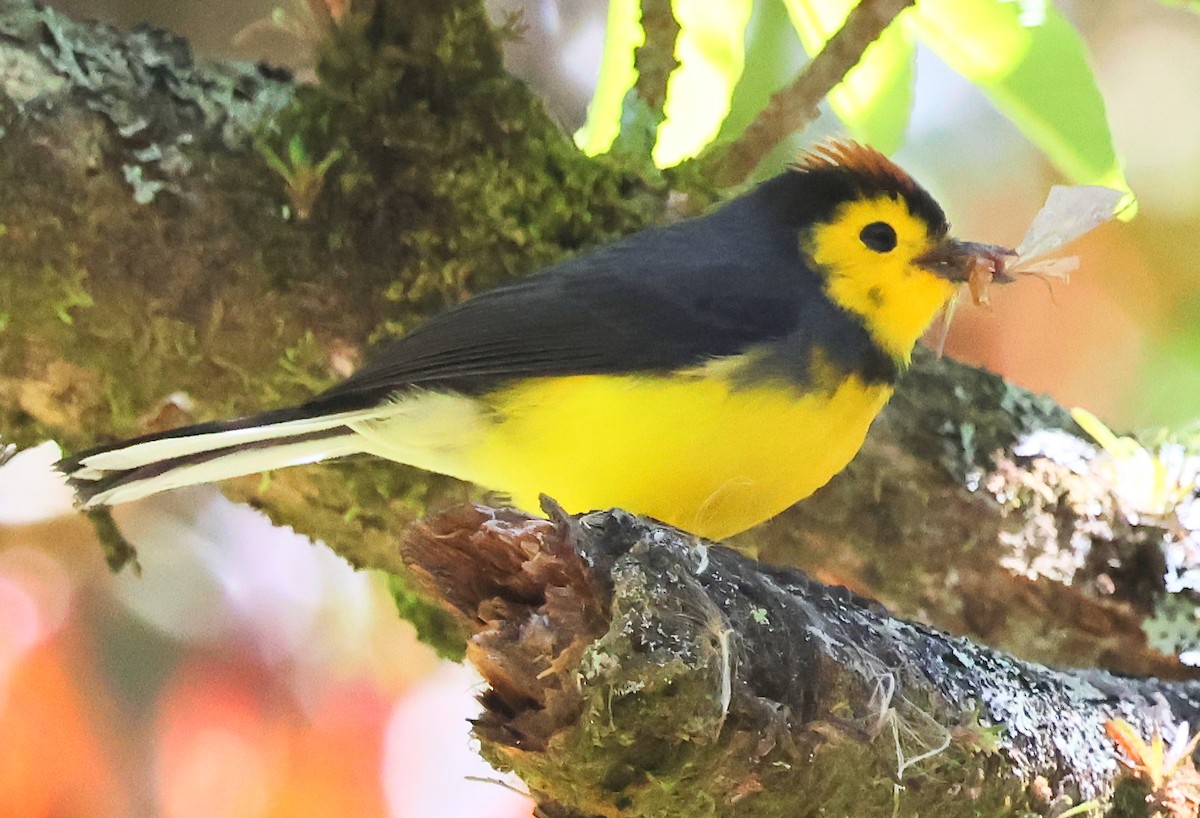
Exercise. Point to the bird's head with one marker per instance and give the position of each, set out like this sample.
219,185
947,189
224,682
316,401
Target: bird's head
880,243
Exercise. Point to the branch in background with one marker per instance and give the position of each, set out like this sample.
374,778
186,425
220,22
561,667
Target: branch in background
655,60
634,671
983,509
795,106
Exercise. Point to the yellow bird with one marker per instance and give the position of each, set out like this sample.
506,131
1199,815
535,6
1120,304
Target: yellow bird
708,373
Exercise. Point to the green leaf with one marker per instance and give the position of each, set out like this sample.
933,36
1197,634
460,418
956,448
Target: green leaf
773,64
622,36
875,97
1033,66
711,49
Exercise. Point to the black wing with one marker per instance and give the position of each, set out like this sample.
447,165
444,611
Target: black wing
659,300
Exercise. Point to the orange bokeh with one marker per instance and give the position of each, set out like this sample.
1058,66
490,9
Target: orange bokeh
56,760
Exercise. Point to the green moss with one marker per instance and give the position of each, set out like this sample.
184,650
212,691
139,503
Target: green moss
623,762
435,627
452,177
1130,799
119,553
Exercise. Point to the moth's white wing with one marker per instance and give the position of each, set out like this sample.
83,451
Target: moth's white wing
1068,213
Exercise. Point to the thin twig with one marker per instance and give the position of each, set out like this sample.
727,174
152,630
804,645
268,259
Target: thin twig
655,60
793,107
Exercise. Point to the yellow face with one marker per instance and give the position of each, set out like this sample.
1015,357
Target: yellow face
867,251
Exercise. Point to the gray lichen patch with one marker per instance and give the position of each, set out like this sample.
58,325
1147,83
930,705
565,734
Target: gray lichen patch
1062,512
1114,522
25,76
156,100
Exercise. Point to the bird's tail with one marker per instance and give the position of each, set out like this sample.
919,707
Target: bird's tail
208,452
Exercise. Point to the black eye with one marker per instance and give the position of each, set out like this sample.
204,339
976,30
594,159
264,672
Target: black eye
879,236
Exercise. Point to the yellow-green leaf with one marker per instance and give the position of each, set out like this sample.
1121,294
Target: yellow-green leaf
1034,69
711,49
875,97
622,36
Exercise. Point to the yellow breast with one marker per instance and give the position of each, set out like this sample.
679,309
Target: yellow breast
700,450
704,454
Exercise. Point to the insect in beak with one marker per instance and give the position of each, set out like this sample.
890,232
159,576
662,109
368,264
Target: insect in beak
960,261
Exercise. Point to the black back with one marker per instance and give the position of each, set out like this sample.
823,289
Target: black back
660,300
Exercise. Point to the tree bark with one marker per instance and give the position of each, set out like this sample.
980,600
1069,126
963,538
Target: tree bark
156,272
633,671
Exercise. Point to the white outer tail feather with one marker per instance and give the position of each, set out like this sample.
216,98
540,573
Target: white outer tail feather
427,429
234,464
242,457
156,451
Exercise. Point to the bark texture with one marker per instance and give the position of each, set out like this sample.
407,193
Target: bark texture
635,671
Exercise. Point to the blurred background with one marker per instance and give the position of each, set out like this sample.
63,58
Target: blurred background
249,672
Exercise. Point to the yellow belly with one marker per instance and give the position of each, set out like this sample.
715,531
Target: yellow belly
698,453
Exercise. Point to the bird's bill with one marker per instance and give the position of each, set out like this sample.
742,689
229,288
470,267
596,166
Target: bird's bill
960,261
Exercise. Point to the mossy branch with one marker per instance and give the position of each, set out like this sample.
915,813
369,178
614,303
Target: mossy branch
655,59
634,671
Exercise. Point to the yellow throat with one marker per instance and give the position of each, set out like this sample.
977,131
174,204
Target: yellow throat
896,298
